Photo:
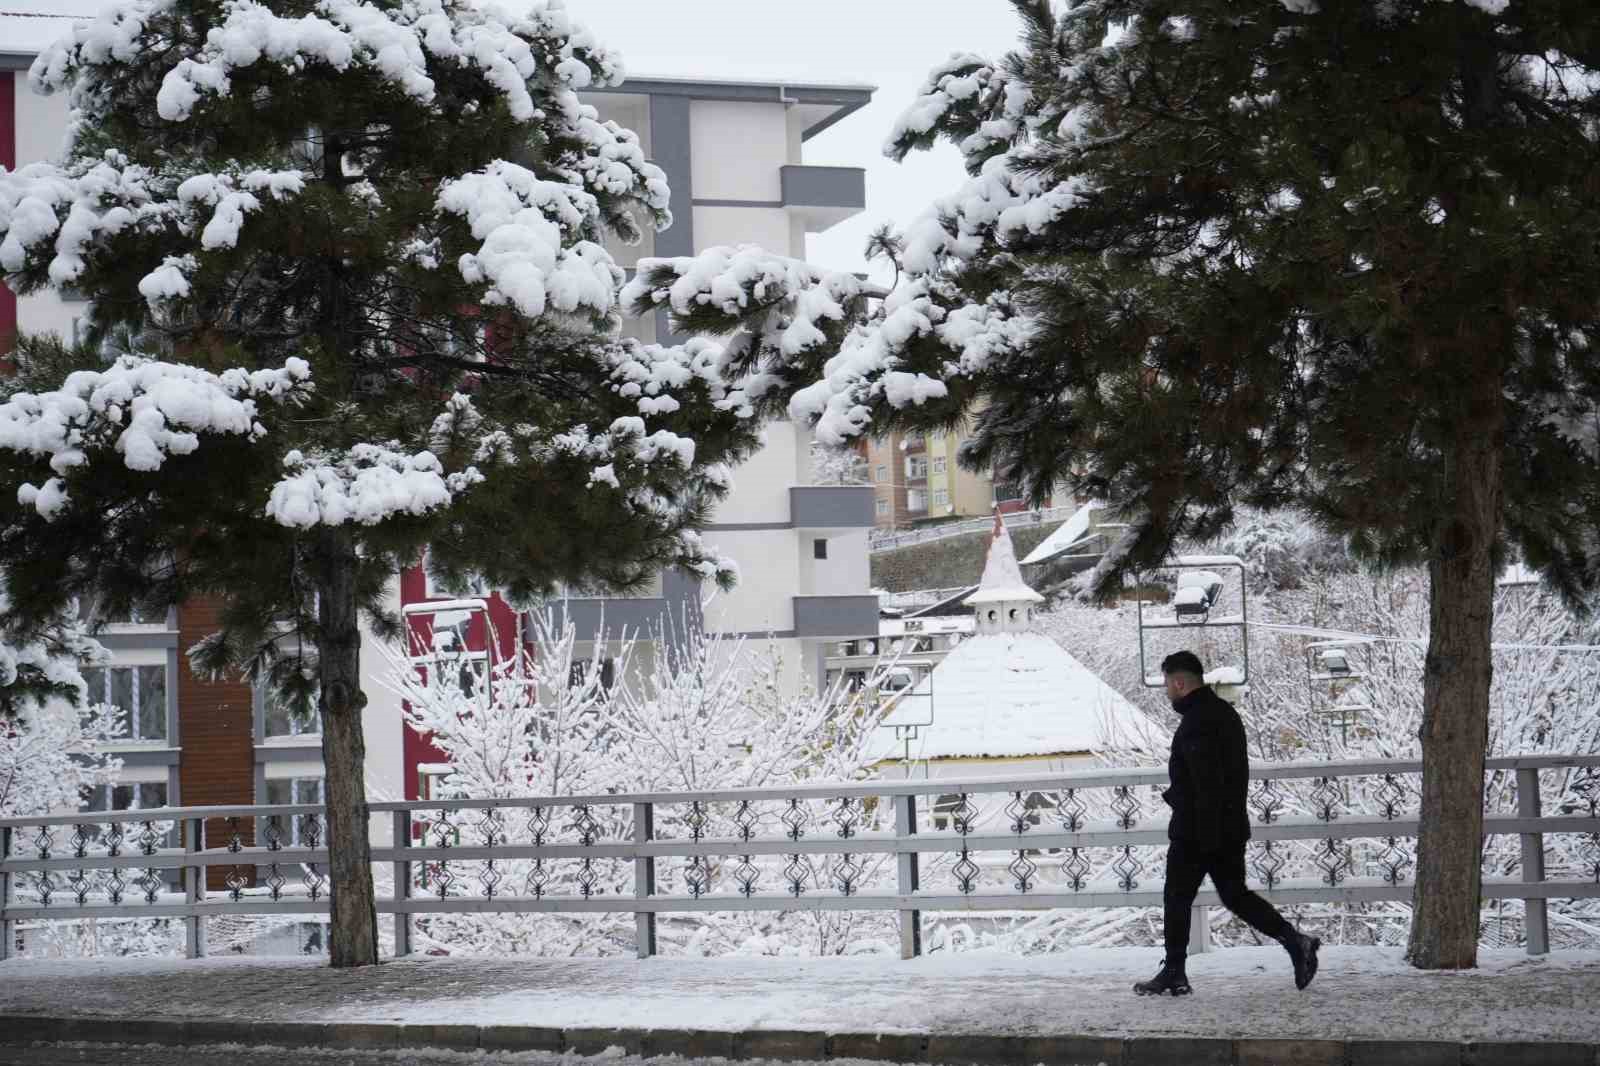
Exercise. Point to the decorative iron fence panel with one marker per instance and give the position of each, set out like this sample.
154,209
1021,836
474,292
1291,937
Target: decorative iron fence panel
1322,833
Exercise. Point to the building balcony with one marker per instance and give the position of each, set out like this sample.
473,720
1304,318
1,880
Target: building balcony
835,616
595,618
831,507
822,197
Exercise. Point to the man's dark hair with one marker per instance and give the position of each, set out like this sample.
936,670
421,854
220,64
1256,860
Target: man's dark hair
1183,662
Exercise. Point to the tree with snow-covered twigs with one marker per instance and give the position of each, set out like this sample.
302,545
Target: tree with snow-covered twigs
1328,255
51,735
685,712
361,246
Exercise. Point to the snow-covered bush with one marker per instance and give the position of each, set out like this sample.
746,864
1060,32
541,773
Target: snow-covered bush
684,711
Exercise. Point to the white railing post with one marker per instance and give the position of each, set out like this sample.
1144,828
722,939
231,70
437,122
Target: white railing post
644,880
402,884
194,879
7,927
905,825
1200,929
1535,915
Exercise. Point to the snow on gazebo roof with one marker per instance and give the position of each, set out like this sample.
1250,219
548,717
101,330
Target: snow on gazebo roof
1002,577
1014,695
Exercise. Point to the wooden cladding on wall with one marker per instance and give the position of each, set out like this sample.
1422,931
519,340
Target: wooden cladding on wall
216,728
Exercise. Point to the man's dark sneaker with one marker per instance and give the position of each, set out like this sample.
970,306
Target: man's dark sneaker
1171,979
1302,951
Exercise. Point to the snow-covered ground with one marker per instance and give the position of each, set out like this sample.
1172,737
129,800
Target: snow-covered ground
1361,993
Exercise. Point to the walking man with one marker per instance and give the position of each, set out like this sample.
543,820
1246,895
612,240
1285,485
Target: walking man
1210,772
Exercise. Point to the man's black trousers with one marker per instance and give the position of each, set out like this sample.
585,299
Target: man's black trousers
1186,867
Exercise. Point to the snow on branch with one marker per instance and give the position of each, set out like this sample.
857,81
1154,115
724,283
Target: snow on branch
1000,204
365,484
143,410
871,363
736,282
397,43
967,98
528,255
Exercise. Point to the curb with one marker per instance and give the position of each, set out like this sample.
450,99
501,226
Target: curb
942,1049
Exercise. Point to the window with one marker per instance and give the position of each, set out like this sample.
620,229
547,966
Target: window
279,719
916,500
137,797
140,695
294,790
883,472
940,464
917,466
883,505
936,436
143,796
819,548
941,497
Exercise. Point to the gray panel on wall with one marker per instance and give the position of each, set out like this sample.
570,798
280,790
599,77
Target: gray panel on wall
671,150
835,616
596,619
808,186
831,506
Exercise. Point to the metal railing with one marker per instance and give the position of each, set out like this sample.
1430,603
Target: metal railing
1070,839
888,541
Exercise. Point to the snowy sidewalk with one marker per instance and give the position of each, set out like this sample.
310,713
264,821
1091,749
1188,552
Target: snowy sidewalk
900,1009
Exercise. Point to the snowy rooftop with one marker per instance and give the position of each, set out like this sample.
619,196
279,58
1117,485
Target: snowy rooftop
1014,695
1068,535
27,27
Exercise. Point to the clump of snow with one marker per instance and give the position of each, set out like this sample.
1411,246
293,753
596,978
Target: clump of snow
142,409
365,485
529,256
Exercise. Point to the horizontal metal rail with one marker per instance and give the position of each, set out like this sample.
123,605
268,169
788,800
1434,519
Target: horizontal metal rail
888,541
828,835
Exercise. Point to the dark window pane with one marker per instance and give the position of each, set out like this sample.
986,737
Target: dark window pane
95,678
278,721
280,792
152,795
308,790
121,696
97,798
152,702
819,548
122,798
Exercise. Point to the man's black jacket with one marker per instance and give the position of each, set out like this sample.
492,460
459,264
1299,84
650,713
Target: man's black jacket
1210,771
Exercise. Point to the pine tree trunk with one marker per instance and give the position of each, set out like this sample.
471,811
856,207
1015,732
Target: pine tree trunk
353,925
1455,702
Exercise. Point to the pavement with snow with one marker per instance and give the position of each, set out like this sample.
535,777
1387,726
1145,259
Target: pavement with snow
1361,993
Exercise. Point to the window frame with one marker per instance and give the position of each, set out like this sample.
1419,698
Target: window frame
133,713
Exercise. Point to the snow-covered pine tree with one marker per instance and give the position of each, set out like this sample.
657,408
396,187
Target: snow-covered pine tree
364,241
1332,254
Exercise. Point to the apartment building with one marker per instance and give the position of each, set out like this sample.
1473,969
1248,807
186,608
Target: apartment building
734,155
915,478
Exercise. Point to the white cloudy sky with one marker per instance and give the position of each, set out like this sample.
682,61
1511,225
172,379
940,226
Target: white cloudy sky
887,43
